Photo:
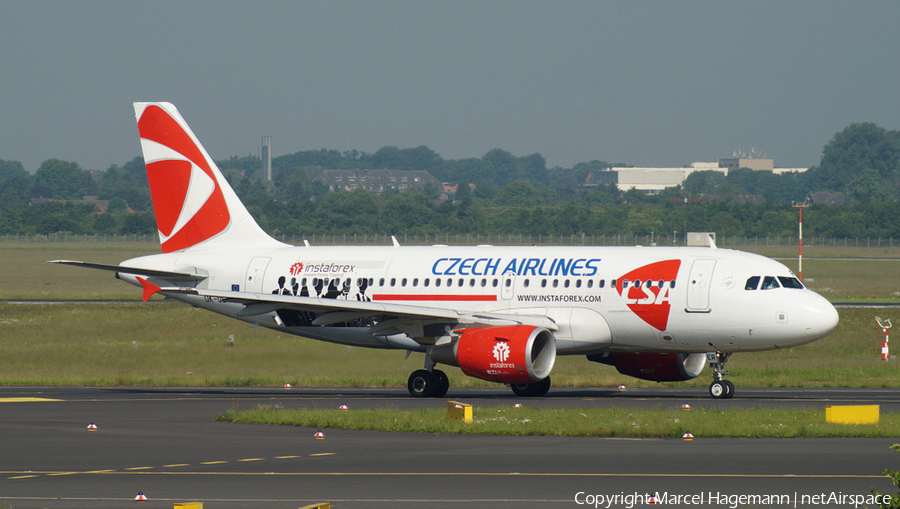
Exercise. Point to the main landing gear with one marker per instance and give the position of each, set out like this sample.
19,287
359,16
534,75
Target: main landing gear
428,382
719,388
534,389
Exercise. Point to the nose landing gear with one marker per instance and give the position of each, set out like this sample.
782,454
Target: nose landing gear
719,388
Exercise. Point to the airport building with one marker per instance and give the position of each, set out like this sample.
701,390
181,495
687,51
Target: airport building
654,180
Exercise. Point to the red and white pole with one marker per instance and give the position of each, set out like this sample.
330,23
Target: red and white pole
801,206
885,345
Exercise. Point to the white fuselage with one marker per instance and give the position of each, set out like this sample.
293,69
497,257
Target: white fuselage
602,299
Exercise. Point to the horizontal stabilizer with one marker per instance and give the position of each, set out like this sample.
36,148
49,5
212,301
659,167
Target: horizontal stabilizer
133,270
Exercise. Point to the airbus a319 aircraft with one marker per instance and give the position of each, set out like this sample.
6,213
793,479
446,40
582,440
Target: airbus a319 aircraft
501,314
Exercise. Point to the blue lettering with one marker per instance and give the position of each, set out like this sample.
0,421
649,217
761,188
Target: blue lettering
589,265
492,268
541,268
434,269
475,267
563,267
530,264
511,267
576,267
455,262
465,265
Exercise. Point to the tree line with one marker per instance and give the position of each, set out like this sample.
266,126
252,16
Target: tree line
508,195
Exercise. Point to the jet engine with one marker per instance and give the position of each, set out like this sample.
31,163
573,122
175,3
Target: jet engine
508,354
656,367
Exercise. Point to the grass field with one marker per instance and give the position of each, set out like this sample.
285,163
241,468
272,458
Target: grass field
584,422
172,344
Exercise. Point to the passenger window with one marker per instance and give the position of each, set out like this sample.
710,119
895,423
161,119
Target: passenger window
752,283
591,283
483,282
555,283
790,282
403,282
437,282
426,282
637,283
381,282
303,282
566,283
612,284
461,282
472,282
624,283
578,284
416,282
526,284
672,284
393,281
543,283
371,281
661,283
449,282
769,282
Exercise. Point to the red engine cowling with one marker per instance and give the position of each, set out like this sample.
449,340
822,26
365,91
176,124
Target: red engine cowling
509,354
659,367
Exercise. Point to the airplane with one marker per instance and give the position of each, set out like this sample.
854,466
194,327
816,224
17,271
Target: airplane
501,314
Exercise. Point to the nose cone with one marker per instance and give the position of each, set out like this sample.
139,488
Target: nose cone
819,316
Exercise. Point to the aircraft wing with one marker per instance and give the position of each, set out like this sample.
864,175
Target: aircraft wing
133,270
392,318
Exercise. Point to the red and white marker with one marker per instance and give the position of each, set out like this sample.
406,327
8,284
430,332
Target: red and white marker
287,386
622,387
92,426
517,405
345,408
140,497
686,406
320,435
653,499
687,435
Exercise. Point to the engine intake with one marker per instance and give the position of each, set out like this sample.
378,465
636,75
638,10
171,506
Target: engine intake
509,354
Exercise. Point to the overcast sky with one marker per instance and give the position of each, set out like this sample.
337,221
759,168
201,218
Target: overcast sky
645,83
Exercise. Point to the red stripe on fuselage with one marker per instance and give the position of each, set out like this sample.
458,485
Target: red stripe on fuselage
434,297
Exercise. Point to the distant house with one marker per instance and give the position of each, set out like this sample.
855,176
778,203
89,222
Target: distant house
375,181
825,198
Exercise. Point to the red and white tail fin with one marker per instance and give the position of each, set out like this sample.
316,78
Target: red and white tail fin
193,202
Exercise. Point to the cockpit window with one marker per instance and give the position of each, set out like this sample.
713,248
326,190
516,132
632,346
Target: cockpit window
752,283
790,282
770,282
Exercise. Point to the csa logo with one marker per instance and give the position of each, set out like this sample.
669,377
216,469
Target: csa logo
501,352
645,296
296,268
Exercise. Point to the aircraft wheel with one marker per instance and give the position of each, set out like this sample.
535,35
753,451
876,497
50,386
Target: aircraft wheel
718,389
730,387
533,389
422,383
443,384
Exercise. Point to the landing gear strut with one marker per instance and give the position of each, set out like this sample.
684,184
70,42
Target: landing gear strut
719,388
428,382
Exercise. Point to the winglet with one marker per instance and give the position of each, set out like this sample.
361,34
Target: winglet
394,240
149,288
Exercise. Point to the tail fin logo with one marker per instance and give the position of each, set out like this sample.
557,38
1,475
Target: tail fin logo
189,204
646,291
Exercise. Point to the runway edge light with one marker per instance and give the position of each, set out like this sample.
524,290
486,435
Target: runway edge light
140,497
319,435
687,435
92,426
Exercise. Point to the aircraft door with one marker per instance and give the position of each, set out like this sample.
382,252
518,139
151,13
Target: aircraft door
508,286
698,286
255,272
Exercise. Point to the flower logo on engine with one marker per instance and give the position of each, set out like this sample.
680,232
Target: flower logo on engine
296,268
501,352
